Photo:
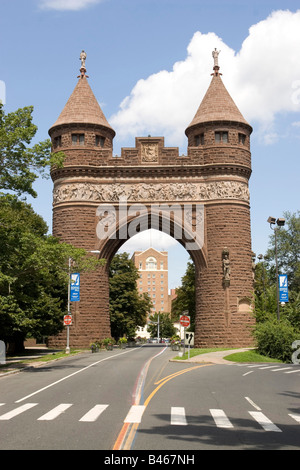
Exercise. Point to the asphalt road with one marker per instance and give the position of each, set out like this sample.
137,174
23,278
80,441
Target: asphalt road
136,399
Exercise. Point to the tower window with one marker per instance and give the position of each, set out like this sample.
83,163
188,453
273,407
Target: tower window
99,141
199,140
57,141
221,136
242,139
78,139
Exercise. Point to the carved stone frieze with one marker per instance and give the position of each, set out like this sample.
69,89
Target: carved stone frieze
154,192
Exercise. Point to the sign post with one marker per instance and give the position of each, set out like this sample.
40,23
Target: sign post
73,296
185,322
189,340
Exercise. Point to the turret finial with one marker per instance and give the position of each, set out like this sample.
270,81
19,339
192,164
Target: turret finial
216,67
82,69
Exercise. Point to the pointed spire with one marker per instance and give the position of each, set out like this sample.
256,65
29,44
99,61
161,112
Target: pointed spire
217,104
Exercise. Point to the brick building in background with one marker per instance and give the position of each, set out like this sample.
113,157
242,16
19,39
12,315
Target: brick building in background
153,269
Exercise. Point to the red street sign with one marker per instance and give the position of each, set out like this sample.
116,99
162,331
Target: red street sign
68,320
184,321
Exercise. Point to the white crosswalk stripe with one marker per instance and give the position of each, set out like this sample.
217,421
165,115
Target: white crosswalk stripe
177,415
295,416
55,412
265,422
94,413
220,418
17,411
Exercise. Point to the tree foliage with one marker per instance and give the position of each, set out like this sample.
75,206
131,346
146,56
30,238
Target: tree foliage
288,250
166,327
128,309
20,164
33,274
274,338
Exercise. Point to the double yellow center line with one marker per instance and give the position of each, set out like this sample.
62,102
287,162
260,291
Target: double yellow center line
128,431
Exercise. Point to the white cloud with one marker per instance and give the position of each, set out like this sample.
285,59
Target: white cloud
67,4
263,78
150,238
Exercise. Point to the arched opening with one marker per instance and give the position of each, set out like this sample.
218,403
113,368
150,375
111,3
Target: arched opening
120,233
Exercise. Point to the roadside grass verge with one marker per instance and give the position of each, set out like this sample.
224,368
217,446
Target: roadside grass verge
21,361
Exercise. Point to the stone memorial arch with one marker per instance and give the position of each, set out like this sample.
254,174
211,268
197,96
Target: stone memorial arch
201,199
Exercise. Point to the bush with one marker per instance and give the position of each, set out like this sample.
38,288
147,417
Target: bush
275,338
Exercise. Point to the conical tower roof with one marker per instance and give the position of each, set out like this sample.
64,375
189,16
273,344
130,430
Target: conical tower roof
217,104
82,107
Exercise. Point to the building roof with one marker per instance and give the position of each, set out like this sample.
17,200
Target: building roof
82,107
217,105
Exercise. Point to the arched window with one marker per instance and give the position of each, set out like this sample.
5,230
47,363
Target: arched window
151,264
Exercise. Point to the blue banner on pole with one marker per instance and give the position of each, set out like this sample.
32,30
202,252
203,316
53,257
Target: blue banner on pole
75,287
283,288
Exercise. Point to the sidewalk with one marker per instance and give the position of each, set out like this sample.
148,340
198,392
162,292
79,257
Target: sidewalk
215,357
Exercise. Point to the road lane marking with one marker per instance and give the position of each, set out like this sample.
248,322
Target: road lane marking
128,431
265,422
220,418
292,371
17,411
178,416
135,414
247,373
74,373
94,413
253,404
55,412
268,367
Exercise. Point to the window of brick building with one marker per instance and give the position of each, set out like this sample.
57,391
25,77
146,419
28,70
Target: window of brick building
151,264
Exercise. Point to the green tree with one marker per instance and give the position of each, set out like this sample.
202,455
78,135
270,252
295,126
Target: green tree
185,299
166,327
20,164
288,250
33,274
128,309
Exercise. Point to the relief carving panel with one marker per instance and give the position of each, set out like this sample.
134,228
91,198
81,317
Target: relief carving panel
154,192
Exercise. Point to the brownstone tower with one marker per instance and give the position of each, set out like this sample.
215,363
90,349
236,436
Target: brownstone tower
84,135
99,201
220,136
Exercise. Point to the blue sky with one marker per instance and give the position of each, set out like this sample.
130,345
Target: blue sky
139,49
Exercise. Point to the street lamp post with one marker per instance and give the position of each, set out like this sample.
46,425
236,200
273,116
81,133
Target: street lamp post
280,223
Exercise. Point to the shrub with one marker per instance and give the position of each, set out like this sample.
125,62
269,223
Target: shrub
274,339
